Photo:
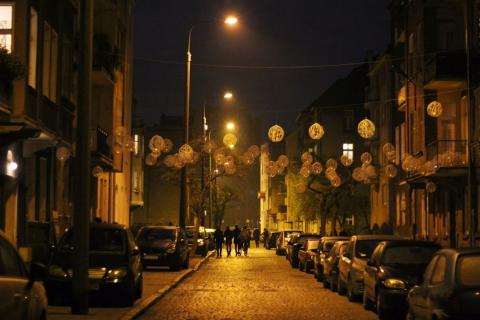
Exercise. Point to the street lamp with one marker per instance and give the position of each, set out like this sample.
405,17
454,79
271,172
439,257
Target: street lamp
184,203
228,95
230,125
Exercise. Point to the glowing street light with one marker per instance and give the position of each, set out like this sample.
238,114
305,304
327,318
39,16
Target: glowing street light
228,95
230,125
231,20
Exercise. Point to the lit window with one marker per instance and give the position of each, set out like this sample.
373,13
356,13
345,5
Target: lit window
6,18
348,150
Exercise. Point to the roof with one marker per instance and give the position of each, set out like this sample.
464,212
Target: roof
462,251
381,237
336,238
418,243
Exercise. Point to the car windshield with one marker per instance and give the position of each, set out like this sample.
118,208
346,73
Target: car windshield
408,255
312,244
289,234
364,248
302,240
152,234
467,271
327,246
102,241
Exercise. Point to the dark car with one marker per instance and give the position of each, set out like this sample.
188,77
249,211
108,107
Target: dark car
296,243
330,265
306,254
163,246
450,287
394,268
115,267
203,242
353,262
272,240
324,247
192,234
283,239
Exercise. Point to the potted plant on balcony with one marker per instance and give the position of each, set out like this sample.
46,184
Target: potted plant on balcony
10,69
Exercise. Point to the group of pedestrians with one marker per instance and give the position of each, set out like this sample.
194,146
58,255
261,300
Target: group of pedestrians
240,237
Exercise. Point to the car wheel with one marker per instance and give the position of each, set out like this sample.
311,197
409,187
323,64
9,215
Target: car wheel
410,315
325,283
186,263
367,303
300,266
333,283
350,294
340,289
129,294
139,288
381,312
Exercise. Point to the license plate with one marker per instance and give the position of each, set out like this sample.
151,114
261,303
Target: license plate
150,257
94,286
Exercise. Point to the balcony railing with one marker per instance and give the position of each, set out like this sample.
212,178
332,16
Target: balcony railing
448,153
102,147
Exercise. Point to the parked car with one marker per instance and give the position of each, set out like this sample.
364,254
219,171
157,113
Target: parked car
330,265
295,244
22,296
450,287
211,241
114,264
272,240
306,254
394,267
203,242
353,262
283,239
324,247
163,246
192,237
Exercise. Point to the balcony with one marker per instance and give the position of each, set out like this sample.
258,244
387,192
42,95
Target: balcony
105,60
445,70
101,151
5,96
450,157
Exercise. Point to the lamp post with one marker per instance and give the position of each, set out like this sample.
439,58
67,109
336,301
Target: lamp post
184,197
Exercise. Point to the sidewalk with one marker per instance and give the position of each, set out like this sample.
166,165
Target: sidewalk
156,282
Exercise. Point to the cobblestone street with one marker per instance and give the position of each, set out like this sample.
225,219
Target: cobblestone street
260,286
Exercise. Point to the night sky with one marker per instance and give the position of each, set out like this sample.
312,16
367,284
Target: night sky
258,59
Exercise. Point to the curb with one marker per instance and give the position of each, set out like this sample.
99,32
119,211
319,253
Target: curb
147,302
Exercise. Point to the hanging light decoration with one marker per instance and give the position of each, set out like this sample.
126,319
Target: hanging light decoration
283,161
305,171
331,163
366,128
431,187
179,161
219,158
167,145
117,148
307,158
120,132
150,159
388,148
255,150
346,160
370,171
156,144
185,152
169,161
300,187
336,182
366,157
209,147
429,168
248,158
359,174
97,171
128,143
391,171
434,109
330,173
276,133
62,153
317,168
271,169
316,131
230,139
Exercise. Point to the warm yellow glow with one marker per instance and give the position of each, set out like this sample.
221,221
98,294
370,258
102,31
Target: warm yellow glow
231,20
230,125
228,95
231,146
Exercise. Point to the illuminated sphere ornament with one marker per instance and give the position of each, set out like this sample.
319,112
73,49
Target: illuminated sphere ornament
317,168
276,133
117,148
300,187
255,150
330,173
271,169
97,171
156,144
388,148
331,163
185,152
391,171
150,159
248,158
307,158
366,128
366,157
230,139
179,161
283,161
431,187
120,132
305,171
167,145
209,147
316,131
346,160
169,161
434,109
219,158
359,174
128,143
336,182
62,153
370,171
429,167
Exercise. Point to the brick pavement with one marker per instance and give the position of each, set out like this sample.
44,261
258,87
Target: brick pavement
260,286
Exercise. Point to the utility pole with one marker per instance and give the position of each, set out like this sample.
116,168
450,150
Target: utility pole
81,218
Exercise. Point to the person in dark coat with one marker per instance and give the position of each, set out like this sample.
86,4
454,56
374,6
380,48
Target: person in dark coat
236,240
265,237
256,237
228,240
218,236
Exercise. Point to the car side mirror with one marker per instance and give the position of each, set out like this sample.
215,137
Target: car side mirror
135,251
37,272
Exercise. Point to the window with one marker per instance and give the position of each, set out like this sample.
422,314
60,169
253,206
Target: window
32,52
348,150
348,120
467,270
428,271
438,275
50,56
6,26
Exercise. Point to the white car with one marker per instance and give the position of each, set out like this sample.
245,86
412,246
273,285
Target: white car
21,296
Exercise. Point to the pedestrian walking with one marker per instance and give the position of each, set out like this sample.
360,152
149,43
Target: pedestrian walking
228,240
265,237
236,240
218,236
256,237
245,240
